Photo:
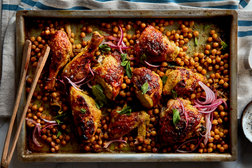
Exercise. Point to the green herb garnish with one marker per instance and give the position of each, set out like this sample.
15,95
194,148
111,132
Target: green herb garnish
58,134
100,97
145,87
128,70
224,45
126,110
126,63
104,48
124,57
58,122
83,111
195,41
164,79
176,116
174,94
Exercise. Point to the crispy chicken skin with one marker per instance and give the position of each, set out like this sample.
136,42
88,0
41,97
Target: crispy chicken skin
169,133
61,50
181,80
109,73
155,46
122,124
85,113
155,86
78,68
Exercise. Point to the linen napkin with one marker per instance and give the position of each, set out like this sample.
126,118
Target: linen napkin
9,7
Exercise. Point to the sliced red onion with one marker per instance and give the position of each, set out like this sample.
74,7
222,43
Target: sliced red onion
72,83
31,120
154,66
208,128
91,71
112,141
210,96
49,121
207,107
78,82
88,84
111,38
183,110
34,139
110,44
121,37
49,125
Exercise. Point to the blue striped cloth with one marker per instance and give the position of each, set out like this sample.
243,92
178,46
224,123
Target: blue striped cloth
10,7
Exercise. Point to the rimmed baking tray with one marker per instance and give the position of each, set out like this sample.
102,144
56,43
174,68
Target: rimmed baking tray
229,15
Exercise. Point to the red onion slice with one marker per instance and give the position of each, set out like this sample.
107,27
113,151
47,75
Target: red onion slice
50,122
151,65
183,110
106,144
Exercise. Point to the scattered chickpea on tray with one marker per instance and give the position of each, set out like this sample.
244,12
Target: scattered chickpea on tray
129,85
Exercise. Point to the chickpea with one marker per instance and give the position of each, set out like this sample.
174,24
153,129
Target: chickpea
215,122
215,36
210,39
199,68
196,33
215,44
208,47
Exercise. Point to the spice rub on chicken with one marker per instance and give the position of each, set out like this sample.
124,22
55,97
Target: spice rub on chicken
179,122
109,74
153,46
61,50
181,80
85,113
122,124
79,68
148,86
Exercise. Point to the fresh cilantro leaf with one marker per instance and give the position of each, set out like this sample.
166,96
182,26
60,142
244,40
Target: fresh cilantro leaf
99,95
174,94
124,63
145,87
176,116
195,41
224,45
104,48
164,79
128,70
83,111
58,122
124,57
58,134
126,110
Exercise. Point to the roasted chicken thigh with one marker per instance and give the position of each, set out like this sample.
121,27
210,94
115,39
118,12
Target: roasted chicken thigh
109,74
154,85
188,125
61,50
153,46
85,113
78,68
122,124
181,80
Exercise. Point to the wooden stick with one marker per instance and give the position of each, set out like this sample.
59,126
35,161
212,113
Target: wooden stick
40,66
26,60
